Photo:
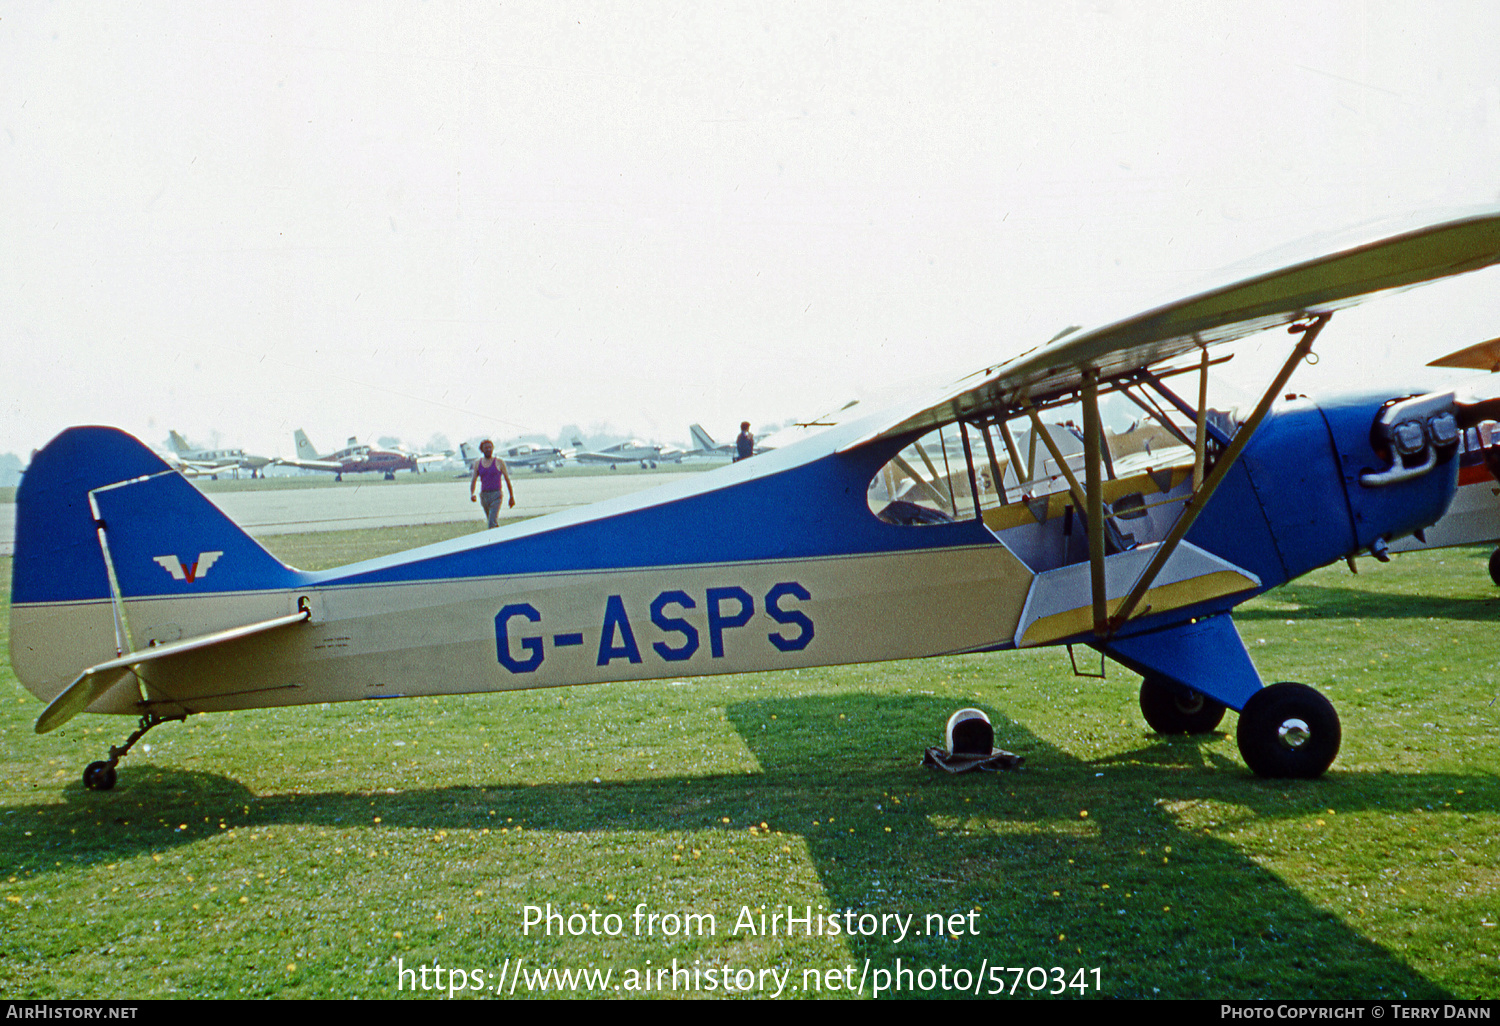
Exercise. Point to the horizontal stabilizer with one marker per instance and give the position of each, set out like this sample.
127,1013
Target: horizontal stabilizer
92,683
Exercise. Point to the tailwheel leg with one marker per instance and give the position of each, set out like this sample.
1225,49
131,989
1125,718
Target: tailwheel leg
100,776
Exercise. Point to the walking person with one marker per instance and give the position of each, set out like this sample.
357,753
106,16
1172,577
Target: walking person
489,472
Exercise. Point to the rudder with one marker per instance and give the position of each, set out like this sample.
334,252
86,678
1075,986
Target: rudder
57,557
159,529
164,539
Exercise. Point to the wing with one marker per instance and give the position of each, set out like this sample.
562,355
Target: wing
1351,267
335,465
1484,356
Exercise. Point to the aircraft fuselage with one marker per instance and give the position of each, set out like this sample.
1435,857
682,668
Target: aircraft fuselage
775,563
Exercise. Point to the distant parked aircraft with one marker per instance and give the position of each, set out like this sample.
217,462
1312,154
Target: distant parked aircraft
356,459
216,461
540,458
647,454
708,447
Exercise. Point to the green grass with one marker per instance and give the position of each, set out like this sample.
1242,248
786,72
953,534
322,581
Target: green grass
303,852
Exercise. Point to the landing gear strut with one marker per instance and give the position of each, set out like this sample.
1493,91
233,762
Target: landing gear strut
100,776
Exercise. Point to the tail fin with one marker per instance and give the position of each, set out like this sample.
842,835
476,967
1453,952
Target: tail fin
101,520
305,450
161,534
701,438
179,444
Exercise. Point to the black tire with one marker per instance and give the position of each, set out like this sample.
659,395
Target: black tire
99,776
1289,730
1495,566
1169,711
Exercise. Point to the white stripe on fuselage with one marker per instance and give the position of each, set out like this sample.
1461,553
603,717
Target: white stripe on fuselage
545,630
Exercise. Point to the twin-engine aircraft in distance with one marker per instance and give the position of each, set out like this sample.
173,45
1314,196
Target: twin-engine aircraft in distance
214,462
953,523
356,458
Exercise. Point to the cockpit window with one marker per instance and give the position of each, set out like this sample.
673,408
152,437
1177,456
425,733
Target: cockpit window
926,483
964,470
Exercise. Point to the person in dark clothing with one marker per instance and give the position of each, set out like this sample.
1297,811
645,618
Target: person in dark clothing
744,445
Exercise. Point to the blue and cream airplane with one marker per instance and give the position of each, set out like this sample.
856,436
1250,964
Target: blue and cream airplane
921,530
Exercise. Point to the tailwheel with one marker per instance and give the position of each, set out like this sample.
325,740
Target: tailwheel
1289,730
1495,566
99,776
1172,710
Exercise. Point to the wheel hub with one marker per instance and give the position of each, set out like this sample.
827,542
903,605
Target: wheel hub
1293,733
1190,706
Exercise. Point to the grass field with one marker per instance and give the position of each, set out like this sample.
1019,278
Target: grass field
314,852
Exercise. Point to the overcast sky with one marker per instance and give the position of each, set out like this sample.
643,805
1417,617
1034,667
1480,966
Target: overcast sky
416,218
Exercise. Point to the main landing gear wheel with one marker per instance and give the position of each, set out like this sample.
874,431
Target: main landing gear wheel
99,776
1289,730
1495,566
1168,710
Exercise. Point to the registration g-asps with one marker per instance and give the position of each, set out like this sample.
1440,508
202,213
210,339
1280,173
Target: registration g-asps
671,637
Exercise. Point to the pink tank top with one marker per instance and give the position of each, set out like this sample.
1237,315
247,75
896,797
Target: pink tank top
489,477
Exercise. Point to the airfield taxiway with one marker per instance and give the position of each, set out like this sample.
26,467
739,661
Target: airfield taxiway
353,505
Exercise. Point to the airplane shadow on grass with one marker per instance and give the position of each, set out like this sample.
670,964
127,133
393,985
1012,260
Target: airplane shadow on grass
1072,864
1317,601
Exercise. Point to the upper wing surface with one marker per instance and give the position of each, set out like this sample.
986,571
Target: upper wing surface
1271,291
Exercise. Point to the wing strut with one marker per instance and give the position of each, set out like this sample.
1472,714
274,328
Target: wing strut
1157,414
1093,434
1200,441
927,460
963,436
1199,499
